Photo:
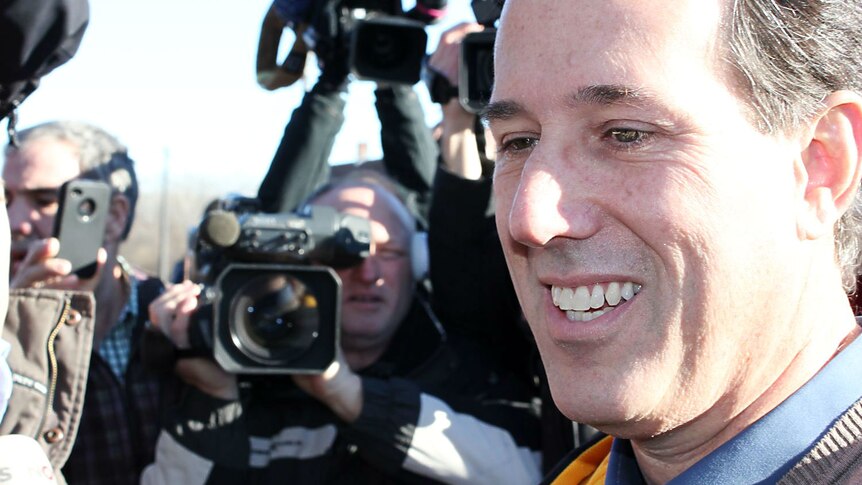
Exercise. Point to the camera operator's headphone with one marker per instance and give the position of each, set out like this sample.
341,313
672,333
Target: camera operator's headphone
419,258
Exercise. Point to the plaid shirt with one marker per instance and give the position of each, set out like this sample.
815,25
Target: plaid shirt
122,406
116,347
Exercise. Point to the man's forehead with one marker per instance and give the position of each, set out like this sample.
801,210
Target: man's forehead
41,163
600,43
357,197
369,201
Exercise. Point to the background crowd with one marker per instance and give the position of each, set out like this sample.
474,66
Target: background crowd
657,238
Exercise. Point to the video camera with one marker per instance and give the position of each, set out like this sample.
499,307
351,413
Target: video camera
271,302
377,39
476,68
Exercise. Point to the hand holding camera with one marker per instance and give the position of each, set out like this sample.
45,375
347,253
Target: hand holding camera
446,58
338,387
171,314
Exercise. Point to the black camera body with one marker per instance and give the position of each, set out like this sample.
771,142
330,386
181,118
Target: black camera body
476,68
476,71
388,48
375,39
271,302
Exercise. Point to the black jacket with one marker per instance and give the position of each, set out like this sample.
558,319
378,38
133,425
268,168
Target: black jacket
435,409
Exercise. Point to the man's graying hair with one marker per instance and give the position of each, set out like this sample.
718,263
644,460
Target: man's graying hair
786,56
100,155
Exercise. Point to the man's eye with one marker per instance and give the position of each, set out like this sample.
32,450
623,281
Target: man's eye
627,136
45,201
519,144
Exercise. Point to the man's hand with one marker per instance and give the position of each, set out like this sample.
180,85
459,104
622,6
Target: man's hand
459,148
338,387
171,313
41,268
445,59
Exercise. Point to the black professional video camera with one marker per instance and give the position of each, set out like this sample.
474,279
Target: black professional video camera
476,69
377,39
271,302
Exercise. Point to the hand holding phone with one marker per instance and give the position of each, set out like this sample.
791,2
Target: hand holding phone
80,223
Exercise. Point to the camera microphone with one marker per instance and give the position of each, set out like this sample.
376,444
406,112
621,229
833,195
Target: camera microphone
220,228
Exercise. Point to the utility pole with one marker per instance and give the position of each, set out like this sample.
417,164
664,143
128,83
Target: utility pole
164,250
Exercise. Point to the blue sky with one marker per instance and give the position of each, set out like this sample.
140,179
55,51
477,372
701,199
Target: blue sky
174,80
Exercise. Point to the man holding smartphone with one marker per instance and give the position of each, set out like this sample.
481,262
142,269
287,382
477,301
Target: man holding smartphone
122,403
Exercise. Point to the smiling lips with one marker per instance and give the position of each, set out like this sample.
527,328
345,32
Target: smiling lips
585,303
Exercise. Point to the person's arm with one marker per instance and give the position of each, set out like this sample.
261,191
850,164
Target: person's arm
454,436
51,337
301,162
473,293
206,429
271,75
204,441
409,151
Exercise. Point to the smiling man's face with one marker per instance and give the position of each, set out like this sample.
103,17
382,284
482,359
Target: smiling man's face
640,212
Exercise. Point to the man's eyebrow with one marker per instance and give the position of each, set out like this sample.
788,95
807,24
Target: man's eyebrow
41,191
599,94
500,111
610,94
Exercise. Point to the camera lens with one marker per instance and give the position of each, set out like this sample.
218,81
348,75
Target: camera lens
274,319
385,49
86,209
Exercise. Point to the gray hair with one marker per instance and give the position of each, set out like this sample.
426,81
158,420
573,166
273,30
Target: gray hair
786,56
100,156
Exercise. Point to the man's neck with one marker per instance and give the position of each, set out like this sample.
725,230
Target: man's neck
669,454
111,295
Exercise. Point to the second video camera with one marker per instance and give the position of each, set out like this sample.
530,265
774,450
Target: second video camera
271,302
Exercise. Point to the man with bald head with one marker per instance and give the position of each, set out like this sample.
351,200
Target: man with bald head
404,402
678,206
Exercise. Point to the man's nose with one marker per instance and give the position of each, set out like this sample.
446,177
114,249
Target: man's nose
551,202
368,270
21,215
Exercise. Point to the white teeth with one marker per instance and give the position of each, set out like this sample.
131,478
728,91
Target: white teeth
581,300
597,297
583,304
565,298
628,291
613,294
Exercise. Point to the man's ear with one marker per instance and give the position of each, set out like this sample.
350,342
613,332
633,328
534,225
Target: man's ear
832,162
118,214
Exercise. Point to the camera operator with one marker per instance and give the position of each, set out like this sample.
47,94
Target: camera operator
301,161
122,404
473,291
404,401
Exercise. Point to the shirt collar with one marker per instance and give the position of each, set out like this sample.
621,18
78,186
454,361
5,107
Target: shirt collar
129,313
778,440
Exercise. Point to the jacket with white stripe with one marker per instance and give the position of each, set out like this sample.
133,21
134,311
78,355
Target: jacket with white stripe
435,409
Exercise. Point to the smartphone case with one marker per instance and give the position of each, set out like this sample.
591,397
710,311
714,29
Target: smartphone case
80,223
